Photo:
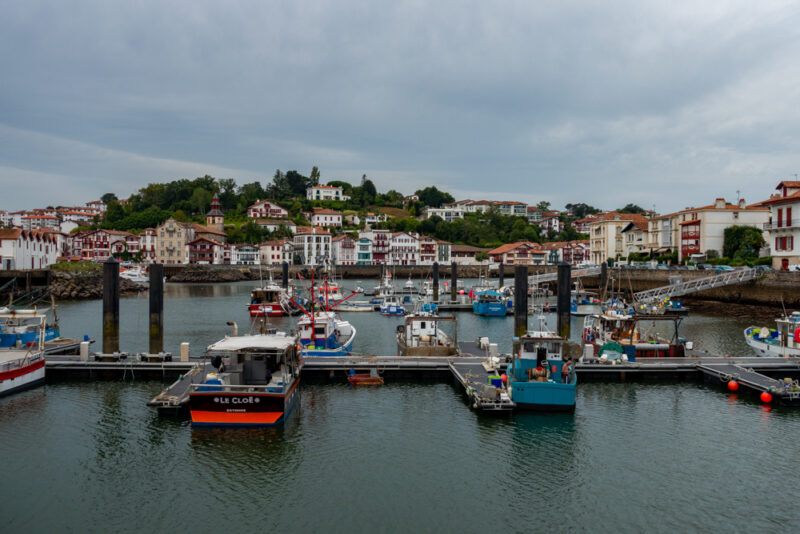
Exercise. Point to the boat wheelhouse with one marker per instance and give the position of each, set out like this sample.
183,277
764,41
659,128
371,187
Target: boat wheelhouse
322,333
776,342
391,305
422,335
23,365
535,380
255,383
634,336
21,327
271,300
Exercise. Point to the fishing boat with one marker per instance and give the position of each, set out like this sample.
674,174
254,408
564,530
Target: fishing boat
391,305
421,334
23,366
534,377
633,336
383,290
783,341
583,302
255,383
490,303
355,306
322,333
271,300
409,287
365,379
20,327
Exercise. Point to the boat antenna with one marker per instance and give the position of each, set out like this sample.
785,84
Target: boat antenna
785,315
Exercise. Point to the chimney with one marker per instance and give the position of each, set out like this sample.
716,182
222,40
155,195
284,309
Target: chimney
719,204
742,203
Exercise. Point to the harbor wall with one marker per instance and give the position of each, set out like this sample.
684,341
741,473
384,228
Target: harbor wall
772,289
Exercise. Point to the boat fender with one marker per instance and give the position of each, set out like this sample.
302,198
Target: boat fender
796,335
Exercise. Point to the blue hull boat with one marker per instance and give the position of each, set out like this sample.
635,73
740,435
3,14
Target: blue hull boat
10,339
535,380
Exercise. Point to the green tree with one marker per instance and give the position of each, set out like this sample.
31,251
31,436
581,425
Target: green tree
107,198
114,213
581,210
431,196
543,205
481,256
314,177
742,242
200,200
368,193
632,208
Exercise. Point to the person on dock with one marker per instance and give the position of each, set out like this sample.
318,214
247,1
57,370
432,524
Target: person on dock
566,371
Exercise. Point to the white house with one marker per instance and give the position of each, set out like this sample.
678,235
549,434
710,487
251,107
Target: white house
276,252
23,249
324,218
312,245
326,192
784,225
344,250
245,254
703,229
403,249
448,214
266,209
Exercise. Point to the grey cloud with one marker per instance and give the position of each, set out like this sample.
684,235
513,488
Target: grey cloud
571,101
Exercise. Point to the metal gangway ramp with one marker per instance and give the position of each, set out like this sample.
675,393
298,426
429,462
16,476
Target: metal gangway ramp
552,277
699,284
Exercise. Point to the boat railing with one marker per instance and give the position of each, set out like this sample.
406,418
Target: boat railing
29,358
239,388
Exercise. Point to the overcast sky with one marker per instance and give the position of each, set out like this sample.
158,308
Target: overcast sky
606,103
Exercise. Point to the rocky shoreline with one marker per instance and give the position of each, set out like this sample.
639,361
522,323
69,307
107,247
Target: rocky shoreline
85,285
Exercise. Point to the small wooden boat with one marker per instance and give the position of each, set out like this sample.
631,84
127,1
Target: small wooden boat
365,379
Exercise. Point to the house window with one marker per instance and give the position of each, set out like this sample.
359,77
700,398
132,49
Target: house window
780,217
789,216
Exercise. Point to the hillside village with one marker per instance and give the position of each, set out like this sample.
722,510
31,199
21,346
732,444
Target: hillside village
326,234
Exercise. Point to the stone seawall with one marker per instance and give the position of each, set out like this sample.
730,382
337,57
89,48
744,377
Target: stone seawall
769,290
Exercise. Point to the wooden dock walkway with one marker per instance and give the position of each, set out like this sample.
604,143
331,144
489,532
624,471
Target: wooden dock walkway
474,375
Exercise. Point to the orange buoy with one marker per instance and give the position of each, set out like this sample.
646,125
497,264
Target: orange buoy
766,397
504,378
733,385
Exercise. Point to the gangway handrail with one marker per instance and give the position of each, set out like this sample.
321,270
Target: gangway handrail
698,284
552,277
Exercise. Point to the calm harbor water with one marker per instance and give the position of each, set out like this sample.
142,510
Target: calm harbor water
410,456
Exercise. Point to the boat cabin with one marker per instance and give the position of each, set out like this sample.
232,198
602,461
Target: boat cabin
265,361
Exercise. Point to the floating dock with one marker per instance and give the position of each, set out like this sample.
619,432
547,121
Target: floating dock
784,392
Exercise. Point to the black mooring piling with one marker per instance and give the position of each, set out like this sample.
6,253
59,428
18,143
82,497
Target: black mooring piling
564,295
501,281
520,303
453,281
285,267
436,281
156,308
111,306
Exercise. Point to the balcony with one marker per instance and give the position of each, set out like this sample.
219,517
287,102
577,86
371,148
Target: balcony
786,225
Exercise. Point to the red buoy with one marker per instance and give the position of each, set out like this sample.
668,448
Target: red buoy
504,378
766,397
733,385
796,334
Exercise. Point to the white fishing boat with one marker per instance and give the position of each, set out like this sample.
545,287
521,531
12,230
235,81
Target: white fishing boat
23,366
421,334
781,341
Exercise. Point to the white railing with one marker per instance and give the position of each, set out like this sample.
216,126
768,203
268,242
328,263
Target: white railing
551,277
698,284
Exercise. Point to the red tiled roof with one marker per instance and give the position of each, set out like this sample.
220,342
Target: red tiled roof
502,249
207,230
301,230
788,183
325,187
779,199
9,233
